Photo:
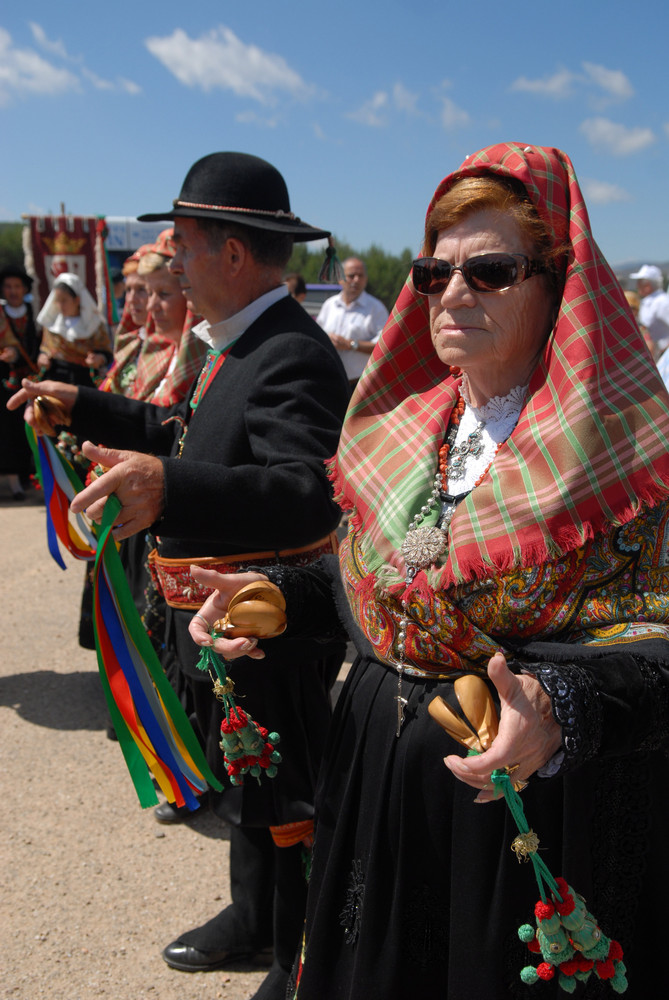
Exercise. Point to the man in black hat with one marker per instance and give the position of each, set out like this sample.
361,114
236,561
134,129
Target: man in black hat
235,476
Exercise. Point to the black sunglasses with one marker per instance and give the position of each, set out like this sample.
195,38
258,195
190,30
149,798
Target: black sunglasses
489,272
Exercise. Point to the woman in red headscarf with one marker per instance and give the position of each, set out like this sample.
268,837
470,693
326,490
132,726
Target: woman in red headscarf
505,469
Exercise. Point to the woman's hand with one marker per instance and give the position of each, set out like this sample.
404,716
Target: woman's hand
215,607
43,360
9,355
95,359
528,734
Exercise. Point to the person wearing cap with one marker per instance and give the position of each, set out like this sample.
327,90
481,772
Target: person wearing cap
233,477
654,305
353,319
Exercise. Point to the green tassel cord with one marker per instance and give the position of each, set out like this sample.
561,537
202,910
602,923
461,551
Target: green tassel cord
248,749
572,945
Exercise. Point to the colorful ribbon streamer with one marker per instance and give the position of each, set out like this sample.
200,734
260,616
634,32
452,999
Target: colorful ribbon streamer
61,484
150,723
153,730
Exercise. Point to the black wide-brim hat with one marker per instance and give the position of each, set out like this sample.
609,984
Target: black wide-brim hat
13,271
239,188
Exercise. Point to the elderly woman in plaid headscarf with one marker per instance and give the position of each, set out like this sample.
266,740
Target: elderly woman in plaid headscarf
505,469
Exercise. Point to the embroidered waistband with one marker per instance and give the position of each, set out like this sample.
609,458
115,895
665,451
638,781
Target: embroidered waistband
175,582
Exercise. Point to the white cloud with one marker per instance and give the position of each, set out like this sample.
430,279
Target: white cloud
36,75
56,48
614,138
557,86
375,111
251,118
452,116
96,80
609,84
25,72
129,86
601,192
370,112
404,100
612,81
221,60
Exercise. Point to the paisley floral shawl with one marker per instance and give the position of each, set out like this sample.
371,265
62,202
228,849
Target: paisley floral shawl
609,593
590,447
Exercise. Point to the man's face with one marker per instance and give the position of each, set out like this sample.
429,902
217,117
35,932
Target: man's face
644,287
13,291
355,280
201,272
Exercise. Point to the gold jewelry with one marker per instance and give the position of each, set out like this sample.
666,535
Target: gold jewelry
519,785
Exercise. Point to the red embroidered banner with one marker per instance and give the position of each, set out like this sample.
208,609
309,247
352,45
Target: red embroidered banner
72,243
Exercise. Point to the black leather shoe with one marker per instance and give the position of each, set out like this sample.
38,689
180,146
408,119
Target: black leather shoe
168,812
188,959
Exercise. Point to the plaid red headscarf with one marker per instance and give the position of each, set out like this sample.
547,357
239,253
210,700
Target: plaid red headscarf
590,446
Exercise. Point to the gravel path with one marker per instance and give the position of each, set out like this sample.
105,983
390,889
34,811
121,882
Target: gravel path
91,887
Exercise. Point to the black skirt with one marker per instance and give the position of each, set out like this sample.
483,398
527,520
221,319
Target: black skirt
415,892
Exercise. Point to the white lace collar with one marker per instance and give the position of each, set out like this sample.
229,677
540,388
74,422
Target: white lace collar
499,410
500,416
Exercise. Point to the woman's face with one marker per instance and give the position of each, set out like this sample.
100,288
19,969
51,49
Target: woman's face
166,303
495,337
67,305
137,297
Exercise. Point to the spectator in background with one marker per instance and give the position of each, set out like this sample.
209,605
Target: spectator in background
131,331
296,286
353,319
75,340
654,306
19,342
118,289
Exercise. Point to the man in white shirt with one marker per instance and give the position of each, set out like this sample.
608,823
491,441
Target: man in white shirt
654,307
353,319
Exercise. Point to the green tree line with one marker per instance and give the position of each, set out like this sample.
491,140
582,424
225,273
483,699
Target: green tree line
11,248
387,273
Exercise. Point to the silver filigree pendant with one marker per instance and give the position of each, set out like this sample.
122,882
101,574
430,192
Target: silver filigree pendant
423,546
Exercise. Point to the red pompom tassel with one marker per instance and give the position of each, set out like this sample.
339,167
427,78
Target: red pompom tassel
545,971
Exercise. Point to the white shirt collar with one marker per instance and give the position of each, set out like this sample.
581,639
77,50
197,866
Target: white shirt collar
220,335
16,312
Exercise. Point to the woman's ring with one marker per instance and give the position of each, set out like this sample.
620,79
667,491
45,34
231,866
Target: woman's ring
198,615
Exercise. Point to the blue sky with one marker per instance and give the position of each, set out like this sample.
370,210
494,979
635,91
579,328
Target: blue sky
363,106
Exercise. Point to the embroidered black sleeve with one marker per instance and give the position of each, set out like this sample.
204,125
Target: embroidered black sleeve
576,708
657,704
310,606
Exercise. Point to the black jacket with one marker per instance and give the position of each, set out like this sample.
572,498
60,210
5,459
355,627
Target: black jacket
251,475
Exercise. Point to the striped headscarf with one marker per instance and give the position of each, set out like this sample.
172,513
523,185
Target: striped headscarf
591,443
155,382
165,370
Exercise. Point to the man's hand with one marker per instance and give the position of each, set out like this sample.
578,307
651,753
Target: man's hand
341,343
136,479
66,394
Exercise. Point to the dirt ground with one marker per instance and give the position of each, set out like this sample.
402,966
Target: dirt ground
91,887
